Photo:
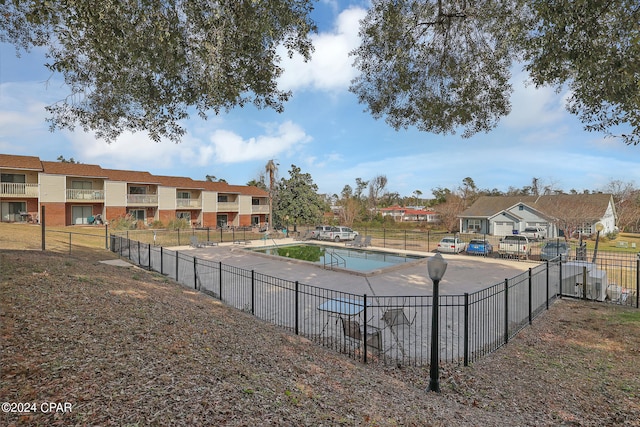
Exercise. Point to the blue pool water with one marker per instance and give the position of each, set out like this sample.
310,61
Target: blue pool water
361,260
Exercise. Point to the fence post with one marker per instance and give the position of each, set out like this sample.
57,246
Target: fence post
364,345
384,237
530,296
139,254
178,237
253,292
584,282
106,236
43,237
638,282
428,240
220,278
297,309
208,240
149,246
560,277
405,240
506,311
466,329
69,244
161,260
195,273
177,264
547,274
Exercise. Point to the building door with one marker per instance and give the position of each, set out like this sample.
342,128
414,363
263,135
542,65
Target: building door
503,228
80,214
10,211
222,220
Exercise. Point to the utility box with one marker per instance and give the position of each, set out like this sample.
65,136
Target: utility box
573,278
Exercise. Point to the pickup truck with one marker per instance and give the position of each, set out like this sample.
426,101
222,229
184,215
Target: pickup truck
534,233
516,246
338,233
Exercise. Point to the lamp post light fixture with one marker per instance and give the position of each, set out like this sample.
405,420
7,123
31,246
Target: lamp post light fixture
436,266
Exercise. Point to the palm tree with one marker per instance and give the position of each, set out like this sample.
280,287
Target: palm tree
271,168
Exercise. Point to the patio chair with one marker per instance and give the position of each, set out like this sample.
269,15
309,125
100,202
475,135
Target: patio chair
194,242
366,242
354,333
355,242
395,317
396,320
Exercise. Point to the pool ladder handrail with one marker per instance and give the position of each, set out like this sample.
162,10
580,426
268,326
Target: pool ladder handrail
337,258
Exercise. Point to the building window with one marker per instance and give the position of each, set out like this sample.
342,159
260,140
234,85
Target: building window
138,214
184,215
474,225
521,207
223,198
137,190
184,195
13,178
255,202
81,185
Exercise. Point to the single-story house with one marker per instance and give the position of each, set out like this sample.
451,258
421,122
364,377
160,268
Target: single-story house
560,214
400,214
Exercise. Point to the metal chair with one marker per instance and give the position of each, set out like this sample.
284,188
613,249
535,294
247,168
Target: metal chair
354,333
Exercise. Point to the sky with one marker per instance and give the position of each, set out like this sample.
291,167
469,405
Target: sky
327,133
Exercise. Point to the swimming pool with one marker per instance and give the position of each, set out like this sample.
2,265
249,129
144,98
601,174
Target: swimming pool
340,257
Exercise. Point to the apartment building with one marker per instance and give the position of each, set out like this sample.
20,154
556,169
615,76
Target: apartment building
72,193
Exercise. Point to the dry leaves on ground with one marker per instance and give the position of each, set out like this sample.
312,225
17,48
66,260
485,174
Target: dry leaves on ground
128,347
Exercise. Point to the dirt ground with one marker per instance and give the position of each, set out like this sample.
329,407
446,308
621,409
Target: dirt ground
87,343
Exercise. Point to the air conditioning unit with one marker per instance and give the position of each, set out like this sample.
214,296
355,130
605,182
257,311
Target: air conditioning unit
573,275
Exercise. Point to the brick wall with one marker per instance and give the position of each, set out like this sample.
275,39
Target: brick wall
55,214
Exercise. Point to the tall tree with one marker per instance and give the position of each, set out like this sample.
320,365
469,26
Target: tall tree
298,199
445,65
271,168
142,65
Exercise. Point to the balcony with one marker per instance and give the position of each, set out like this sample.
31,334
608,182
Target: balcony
142,199
189,203
10,189
260,209
85,195
228,207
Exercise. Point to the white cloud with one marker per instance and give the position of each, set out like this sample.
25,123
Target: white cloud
330,67
230,147
533,107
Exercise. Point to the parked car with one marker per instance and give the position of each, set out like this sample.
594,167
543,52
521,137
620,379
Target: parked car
553,249
452,245
534,233
319,230
479,247
338,234
516,246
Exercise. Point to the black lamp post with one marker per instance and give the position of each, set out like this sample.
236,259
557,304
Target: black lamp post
436,266
599,228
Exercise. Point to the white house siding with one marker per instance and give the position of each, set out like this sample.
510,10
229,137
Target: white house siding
167,198
608,220
115,193
52,188
209,201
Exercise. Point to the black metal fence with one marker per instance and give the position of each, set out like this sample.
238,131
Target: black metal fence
387,329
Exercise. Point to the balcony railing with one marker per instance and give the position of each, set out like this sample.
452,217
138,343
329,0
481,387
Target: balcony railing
142,199
188,203
228,206
8,189
74,194
260,209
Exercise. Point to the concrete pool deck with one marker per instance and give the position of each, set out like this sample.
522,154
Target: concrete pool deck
464,273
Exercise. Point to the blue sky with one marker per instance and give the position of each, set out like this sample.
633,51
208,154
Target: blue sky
326,133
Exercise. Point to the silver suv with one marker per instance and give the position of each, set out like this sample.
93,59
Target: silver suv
319,231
